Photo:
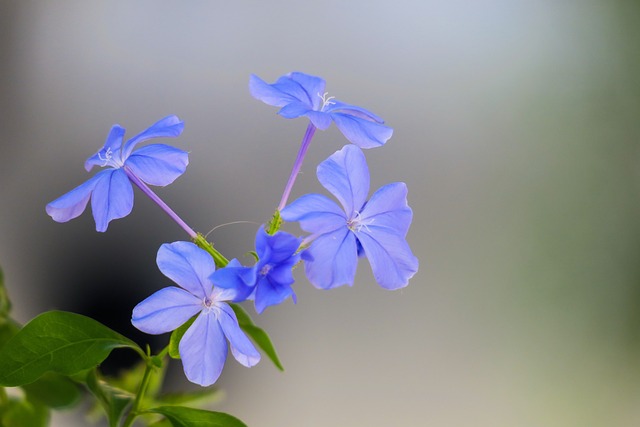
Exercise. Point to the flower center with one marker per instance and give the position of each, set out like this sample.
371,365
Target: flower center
265,269
356,223
207,304
108,158
326,100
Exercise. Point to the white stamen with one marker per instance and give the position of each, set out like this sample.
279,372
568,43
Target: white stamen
356,224
107,157
326,100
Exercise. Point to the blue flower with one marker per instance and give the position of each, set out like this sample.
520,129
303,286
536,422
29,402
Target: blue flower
300,94
376,228
110,190
203,348
269,281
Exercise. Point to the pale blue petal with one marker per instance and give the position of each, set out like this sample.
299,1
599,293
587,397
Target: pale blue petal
188,266
332,259
313,86
275,248
316,213
112,198
388,208
170,126
241,347
319,119
234,282
203,350
165,310
346,175
361,132
111,145
295,109
158,164
269,94
391,259
269,292
352,110
72,204
294,87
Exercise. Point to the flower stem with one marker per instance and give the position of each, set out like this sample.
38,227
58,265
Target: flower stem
218,258
306,140
128,422
153,196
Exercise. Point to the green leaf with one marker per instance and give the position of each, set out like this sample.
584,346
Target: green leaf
22,413
54,391
259,336
189,417
8,328
197,398
176,336
57,341
130,380
5,302
113,400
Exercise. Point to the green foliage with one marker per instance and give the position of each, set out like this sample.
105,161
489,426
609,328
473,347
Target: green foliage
113,400
5,303
176,336
57,341
275,223
53,391
23,413
188,417
259,336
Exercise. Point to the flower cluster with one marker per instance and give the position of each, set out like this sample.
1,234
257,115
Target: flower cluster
208,284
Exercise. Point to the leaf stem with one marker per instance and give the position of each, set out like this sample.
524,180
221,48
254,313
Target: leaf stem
135,408
202,242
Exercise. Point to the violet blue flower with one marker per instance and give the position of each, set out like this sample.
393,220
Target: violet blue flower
110,190
376,228
300,94
203,348
269,281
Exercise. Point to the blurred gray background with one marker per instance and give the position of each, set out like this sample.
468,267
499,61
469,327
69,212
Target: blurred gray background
516,130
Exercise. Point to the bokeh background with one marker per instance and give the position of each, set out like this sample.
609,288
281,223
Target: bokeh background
516,129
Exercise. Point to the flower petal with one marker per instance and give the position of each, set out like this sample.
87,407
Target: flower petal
294,87
269,94
165,310
388,252
233,283
340,107
331,260
313,86
158,164
112,198
170,126
111,145
72,204
203,350
316,213
278,247
388,208
241,347
319,119
188,266
346,175
270,292
361,132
